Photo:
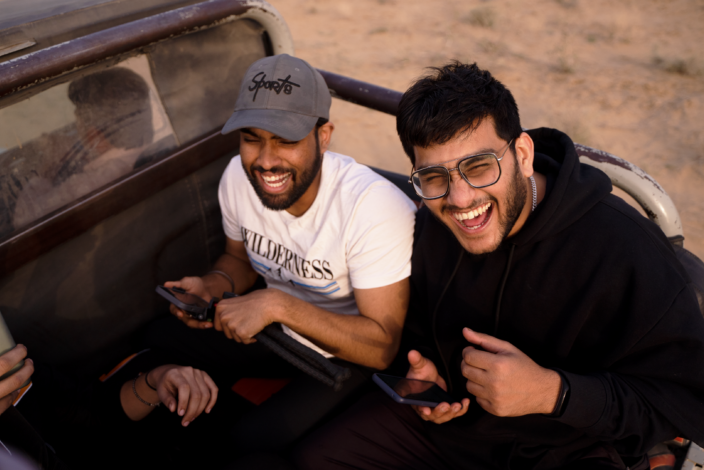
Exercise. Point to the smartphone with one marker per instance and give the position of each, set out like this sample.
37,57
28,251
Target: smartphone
7,343
412,391
193,305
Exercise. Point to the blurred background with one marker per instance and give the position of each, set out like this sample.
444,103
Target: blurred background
626,77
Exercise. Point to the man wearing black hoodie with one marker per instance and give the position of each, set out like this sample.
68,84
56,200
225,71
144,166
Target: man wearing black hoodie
555,315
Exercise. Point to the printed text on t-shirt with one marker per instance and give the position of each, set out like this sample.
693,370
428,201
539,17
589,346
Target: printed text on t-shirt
279,254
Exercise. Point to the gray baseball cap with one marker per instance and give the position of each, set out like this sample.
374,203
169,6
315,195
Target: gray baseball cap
283,95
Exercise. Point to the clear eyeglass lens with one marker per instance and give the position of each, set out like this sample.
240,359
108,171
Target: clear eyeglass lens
431,182
482,170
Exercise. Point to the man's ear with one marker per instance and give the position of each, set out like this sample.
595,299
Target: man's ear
524,154
324,135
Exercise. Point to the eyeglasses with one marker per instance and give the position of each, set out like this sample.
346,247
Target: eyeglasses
479,171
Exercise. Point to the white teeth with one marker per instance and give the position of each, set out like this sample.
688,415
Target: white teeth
473,213
276,181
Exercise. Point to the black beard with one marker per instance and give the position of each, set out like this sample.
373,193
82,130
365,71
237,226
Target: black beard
515,200
280,202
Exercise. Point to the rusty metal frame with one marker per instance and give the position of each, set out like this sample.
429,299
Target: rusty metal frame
362,93
45,64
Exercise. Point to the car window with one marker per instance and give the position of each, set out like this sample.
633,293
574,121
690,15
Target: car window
76,137
199,75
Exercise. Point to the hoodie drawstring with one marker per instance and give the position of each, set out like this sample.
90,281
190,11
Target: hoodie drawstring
501,290
435,312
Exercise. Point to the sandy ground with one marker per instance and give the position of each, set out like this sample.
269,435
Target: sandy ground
626,77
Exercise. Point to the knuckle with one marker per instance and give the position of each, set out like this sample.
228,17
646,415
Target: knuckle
15,381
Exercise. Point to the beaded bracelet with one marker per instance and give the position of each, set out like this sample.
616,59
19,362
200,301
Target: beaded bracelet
134,389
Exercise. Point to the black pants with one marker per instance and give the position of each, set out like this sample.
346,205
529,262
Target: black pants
278,422
378,433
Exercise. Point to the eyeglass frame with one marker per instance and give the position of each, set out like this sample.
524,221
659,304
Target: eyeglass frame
457,168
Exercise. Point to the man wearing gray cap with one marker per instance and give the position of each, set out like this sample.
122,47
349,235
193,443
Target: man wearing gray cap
331,238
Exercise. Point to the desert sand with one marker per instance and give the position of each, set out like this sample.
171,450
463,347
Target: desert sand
626,77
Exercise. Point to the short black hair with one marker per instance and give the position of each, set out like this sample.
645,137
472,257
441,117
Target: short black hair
116,101
451,100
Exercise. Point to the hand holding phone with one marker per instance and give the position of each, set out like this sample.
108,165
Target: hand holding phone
422,368
192,285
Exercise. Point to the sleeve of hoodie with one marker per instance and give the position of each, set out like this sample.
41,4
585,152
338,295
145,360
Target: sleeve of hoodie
654,393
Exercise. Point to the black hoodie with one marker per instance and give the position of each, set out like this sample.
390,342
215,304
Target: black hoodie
592,289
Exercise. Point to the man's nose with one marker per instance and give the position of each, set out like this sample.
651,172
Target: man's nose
461,193
268,157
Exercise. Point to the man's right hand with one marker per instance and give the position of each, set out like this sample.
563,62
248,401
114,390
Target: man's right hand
195,286
423,369
10,385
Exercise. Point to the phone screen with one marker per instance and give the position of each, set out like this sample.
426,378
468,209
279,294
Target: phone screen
188,299
416,389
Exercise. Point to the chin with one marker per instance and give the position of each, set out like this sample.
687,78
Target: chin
479,246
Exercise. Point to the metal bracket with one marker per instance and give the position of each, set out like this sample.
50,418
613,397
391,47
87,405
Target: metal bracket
694,459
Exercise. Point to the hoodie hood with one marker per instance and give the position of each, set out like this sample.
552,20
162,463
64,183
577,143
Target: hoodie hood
576,188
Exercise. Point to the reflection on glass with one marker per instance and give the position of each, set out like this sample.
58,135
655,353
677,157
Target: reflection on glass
117,124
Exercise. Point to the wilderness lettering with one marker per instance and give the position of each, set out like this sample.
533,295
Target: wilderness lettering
287,259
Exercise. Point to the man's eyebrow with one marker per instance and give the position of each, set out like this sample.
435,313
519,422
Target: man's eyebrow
478,152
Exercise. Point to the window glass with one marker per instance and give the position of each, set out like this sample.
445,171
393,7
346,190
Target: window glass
76,137
198,75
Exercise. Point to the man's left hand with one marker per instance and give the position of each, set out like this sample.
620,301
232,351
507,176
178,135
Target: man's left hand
240,318
505,381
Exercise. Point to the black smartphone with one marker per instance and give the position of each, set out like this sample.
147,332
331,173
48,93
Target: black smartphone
193,305
412,391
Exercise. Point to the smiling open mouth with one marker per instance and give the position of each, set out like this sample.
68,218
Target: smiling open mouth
276,181
474,219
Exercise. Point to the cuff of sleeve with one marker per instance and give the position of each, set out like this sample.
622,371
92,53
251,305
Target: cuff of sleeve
586,403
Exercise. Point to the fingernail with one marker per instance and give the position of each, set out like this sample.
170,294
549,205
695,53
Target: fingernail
30,361
181,412
186,424
208,410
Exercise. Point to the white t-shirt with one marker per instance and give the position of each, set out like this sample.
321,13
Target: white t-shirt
357,234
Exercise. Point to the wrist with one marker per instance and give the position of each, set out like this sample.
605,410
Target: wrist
143,392
215,285
551,392
282,308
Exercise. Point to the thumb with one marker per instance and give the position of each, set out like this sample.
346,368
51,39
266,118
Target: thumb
486,342
416,359
171,404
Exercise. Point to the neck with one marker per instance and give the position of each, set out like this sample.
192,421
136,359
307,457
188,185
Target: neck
540,184
303,203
